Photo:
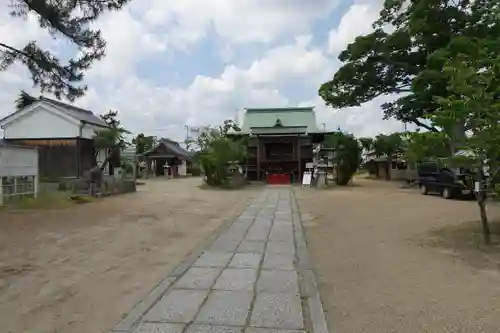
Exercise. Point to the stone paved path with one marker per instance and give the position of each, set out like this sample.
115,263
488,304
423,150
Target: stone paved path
253,278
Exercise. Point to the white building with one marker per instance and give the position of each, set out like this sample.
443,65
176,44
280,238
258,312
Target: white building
63,134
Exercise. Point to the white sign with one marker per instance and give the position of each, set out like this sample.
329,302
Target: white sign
16,161
306,179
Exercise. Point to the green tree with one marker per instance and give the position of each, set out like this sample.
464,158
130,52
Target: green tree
347,155
366,144
422,146
115,135
23,100
144,143
215,150
201,136
228,126
396,61
473,68
388,146
70,20
112,139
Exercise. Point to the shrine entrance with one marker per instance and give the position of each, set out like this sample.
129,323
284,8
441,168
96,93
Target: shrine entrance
278,179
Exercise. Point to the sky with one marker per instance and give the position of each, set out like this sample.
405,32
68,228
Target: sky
172,63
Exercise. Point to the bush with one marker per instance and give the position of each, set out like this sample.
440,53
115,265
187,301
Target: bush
215,152
347,156
214,160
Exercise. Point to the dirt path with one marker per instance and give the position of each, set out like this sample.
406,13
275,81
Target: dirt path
391,260
82,269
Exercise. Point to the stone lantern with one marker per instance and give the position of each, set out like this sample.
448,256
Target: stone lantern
321,175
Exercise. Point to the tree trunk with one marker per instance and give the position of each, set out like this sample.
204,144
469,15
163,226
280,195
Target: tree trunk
388,167
457,136
105,162
481,201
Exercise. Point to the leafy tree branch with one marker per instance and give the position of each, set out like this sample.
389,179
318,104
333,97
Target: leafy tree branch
69,19
395,57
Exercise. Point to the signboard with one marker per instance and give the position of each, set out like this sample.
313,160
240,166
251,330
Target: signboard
17,162
307,178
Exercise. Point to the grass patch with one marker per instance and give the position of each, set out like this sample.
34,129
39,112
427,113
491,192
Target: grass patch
51,200
466,242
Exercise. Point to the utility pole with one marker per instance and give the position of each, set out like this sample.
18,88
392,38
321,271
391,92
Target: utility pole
187,132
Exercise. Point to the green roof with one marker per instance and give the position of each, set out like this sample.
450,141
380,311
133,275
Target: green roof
279,120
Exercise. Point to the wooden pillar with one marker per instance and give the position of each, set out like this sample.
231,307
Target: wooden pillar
1,183
78,158
36,186
14,193
134,169
299,158
258,159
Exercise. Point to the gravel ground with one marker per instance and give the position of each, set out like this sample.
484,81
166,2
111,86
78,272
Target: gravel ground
391,260
79,270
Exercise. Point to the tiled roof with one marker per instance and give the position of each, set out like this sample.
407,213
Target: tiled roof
75,112
173,147
71,110
297,117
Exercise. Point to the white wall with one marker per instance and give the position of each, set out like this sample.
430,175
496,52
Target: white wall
41,123
89,131
182,169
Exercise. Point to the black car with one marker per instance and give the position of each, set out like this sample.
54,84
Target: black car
449,183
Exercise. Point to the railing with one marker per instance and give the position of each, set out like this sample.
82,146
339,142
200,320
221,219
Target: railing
18,173
15,188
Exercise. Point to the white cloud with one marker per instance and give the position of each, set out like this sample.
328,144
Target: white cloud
226,53
17,32
362,121
357,21
291,62
147,27
127,43
152,27
239,21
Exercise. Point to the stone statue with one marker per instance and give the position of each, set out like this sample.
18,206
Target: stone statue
95,175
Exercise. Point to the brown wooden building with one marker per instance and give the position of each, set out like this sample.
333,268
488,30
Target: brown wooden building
62,133
281,142
168,152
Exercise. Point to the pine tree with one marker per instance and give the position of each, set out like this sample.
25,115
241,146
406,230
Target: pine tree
69,19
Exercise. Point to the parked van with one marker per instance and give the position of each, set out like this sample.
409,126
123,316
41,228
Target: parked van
449,183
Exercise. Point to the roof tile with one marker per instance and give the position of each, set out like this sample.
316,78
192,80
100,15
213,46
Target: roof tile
298,117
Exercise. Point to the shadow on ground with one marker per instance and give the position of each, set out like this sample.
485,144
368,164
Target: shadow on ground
466,241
